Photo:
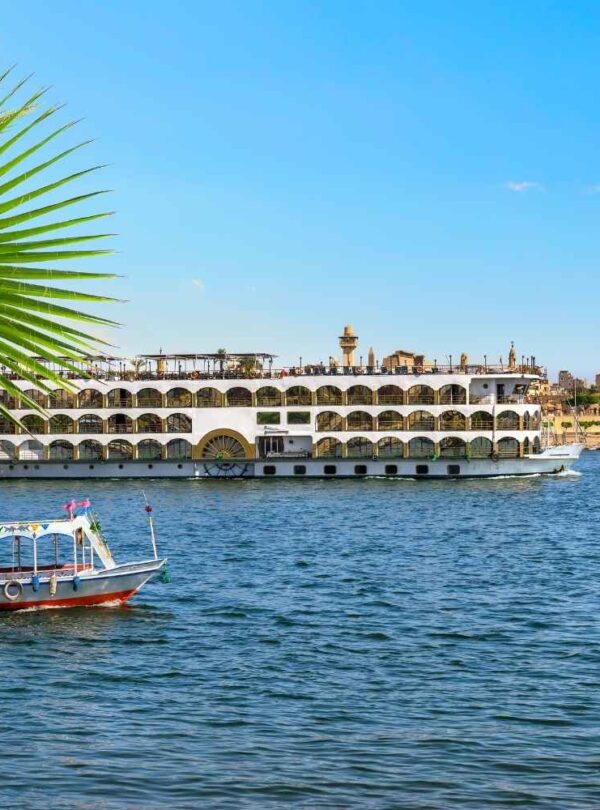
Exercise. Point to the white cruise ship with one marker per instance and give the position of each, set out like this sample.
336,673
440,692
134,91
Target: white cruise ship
228,415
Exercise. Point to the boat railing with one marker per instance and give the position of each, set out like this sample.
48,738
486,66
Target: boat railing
312,370
26,572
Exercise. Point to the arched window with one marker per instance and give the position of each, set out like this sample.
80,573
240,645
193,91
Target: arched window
60,451
8,451
537,445
239,398
37,396
269,397
390,395
480,447
8,400
149,398
90,398
453,395
328,420
119,398
179,398
179,423
179,449
119,449
507,420
453,420
90,423
390,447
328,448
149,449
61,424
359,446
535,421
451,447
359,395
481,420
390,420
421,420
119,423
421,447
359,420
297,396
31,450
34,423
526,446
526,421
7,426
149,423
209,398
420,395
508,448
329,395
61,399
90,450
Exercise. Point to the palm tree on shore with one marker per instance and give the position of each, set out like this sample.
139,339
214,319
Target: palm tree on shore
42,224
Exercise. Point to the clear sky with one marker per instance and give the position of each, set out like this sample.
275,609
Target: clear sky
426,171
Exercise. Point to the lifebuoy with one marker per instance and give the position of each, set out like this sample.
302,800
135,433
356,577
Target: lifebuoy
495,457
11,595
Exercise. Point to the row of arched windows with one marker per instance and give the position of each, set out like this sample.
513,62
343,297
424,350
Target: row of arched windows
90,450
92,423
360,446
422,447
238,397
423,420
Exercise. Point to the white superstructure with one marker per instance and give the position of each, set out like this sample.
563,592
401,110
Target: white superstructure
423,421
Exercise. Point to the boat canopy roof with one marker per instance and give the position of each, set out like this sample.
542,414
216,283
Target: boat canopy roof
85,523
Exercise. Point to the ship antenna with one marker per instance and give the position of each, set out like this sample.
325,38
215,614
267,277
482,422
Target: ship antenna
148,510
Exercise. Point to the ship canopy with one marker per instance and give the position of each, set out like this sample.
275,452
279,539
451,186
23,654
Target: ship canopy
77,527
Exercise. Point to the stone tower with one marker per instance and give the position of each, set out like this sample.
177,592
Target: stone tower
348,343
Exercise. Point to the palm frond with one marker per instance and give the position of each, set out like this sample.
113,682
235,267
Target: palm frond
33,328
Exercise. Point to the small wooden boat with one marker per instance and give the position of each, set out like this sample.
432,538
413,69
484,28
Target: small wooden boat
82,571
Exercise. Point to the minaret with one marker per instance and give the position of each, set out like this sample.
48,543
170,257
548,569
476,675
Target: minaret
348,343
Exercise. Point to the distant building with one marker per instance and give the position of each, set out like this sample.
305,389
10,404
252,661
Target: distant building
565,380
597,380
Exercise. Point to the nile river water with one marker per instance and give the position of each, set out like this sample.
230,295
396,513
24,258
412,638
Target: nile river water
322,644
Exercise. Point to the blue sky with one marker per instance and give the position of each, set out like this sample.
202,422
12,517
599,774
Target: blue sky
425,171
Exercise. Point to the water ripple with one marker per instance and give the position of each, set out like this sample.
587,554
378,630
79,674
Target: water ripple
339,644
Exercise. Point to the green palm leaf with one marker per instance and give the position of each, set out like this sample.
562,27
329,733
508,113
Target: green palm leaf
34,329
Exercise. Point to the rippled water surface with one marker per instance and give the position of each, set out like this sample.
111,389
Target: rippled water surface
322,644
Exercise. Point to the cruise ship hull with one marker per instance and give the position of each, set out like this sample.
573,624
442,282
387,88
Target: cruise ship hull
551,461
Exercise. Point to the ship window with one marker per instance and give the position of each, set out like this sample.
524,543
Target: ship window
330,469
391,469
298,395
298,418
453,469
422,469
268,418
299,469
360,469
149,398
208,398
269,469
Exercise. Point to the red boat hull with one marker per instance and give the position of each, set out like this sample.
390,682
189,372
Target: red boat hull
75,601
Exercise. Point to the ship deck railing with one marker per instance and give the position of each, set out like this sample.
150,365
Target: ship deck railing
293,371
